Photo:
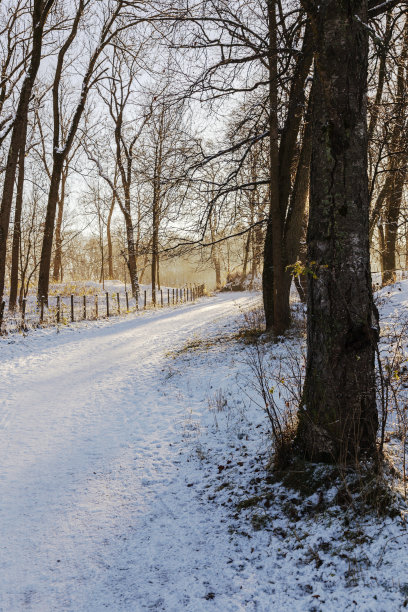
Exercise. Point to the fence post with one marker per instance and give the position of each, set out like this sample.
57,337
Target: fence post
161,297
127,301
118,298
84,300
145,299
173,296
107,304
96,307
58,308
72,308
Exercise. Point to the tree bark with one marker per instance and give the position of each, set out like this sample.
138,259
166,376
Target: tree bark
131,258
297,215
46,250
155,248
15,249
109,236
246,254
392,215
157,179
276,279
58,231
277,312
338,418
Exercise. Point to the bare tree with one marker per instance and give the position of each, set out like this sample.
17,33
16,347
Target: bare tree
40,12
110,27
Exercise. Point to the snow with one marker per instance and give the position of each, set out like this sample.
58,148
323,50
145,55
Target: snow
123,458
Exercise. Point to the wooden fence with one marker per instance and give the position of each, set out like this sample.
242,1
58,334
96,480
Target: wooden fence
63,310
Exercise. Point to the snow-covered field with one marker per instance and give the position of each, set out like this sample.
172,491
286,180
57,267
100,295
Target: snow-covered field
129,467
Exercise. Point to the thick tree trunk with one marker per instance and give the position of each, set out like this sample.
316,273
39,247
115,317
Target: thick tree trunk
15,250
338,420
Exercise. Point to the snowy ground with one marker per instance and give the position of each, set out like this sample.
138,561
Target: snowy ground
126,462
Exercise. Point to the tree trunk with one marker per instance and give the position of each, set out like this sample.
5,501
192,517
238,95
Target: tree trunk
217,268
275,277
295,226
46,250
58,234
277,311
109,237
391,228
131,259
158,270
215,252
246,254
155,245
15,250
301,279
338,418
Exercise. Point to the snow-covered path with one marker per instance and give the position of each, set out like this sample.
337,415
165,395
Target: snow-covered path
91,508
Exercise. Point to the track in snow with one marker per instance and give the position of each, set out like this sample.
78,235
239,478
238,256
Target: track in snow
91,514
